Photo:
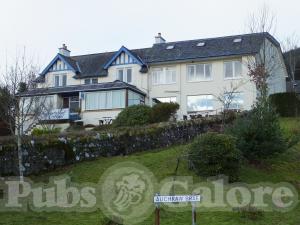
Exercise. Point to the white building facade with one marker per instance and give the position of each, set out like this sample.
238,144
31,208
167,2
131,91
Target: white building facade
91,88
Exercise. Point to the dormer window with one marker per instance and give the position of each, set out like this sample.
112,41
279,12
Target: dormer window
201,44
237,40
170,47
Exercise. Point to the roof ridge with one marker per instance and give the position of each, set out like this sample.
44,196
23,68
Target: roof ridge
111,52
214,38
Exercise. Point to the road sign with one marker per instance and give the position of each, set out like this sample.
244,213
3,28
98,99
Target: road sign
176,198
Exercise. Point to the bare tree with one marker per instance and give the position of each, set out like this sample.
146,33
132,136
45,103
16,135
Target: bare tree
20,113
289,47
264,66
227,98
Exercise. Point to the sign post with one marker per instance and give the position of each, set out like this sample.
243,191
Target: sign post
175,199
157,216
194,215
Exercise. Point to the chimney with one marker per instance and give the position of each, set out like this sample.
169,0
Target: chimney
64,50
159,39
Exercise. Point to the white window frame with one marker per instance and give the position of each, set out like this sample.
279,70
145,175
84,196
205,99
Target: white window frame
234,76
162,80
125,77
195,75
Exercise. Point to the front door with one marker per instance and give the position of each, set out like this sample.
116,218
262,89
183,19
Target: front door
66,103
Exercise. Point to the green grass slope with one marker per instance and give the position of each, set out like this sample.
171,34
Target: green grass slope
285,167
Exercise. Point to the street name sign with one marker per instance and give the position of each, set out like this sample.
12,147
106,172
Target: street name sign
176,198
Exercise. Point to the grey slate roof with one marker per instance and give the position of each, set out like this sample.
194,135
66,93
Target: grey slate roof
116,85
92,65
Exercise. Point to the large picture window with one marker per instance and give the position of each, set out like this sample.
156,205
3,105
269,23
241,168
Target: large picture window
234,100
199,103
105,100
199,72
135,98
167,99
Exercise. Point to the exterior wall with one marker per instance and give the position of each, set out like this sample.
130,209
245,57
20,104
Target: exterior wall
183,88
93,117
276,66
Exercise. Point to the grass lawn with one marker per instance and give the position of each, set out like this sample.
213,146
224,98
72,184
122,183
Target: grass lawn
285,167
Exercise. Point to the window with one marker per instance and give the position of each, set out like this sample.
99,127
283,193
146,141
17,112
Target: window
94,81
234,100
125,74
164,75
56,81
199,103
170,47
74,103
87,81
199,72
232,69
135,98
105,100
167,99
60,80
64,80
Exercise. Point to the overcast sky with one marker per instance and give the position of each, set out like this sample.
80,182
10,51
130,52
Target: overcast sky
92,26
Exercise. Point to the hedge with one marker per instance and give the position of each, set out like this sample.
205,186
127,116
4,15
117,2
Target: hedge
286,104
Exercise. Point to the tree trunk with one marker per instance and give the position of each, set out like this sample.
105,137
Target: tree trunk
20,161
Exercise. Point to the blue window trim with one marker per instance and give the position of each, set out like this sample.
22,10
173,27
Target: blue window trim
57,57
118,53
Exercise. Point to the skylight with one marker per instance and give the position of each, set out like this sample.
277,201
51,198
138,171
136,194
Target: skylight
201,44
170,47
237,40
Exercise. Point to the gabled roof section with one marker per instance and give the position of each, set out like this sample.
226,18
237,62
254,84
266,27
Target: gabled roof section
128,52
67,60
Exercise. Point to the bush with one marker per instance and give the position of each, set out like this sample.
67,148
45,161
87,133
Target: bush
286,104
162,112
213,154
43,131
133,116
250,213
258,134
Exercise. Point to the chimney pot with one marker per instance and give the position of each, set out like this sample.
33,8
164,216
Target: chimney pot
159,39
64,50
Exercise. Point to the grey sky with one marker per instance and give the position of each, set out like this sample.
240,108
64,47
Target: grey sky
91,26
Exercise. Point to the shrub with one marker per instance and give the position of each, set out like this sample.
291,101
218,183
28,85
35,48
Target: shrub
213,154
286,104
162,112
43,131
250,213
258,134
133,116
